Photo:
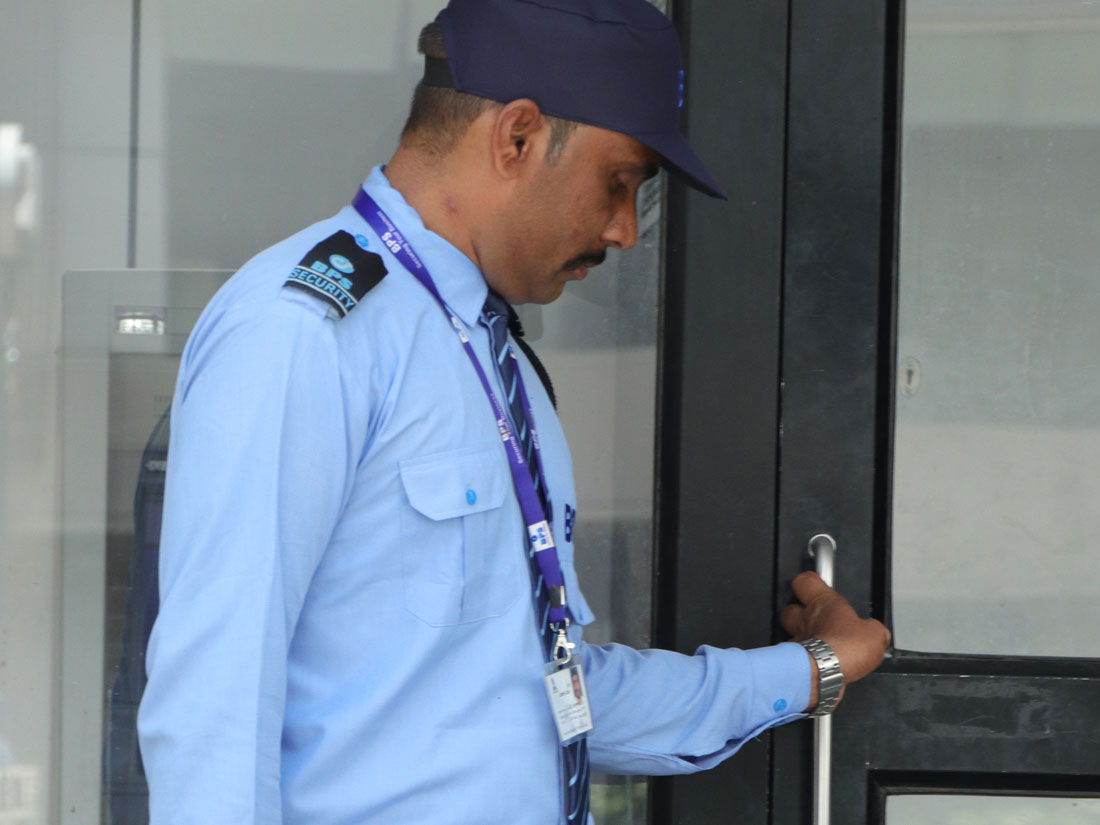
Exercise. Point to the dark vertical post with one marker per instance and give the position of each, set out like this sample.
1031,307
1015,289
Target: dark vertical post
835,274
718,407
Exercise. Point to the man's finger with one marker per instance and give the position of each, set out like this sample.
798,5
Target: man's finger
790,618
808,586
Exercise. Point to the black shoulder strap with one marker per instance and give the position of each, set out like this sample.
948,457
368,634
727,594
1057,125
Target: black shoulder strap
516,328
340,270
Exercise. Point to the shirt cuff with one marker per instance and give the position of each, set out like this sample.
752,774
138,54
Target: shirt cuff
782,675
781,690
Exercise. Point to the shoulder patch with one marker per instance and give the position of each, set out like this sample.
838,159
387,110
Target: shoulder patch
340,271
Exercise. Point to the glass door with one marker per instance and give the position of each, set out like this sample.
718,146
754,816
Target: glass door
940,406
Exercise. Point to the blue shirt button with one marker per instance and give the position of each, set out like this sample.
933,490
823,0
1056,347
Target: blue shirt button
471,496
780,705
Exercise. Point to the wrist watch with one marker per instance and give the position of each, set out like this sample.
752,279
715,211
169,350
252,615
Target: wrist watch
829,678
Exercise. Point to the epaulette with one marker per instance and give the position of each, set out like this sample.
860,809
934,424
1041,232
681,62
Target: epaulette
341,269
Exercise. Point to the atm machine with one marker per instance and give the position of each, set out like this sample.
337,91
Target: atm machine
123,334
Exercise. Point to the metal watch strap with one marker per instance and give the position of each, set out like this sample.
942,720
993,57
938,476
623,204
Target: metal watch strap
829,677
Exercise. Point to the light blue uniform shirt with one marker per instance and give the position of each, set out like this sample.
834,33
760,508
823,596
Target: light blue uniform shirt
347,629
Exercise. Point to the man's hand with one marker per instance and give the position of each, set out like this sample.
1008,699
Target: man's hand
823,613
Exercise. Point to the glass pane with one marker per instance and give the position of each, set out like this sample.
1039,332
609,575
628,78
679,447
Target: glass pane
64,156
990,810
246,131
997,463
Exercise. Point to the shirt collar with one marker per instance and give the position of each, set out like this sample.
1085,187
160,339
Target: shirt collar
456,277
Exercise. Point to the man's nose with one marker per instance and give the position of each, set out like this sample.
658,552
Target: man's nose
622,231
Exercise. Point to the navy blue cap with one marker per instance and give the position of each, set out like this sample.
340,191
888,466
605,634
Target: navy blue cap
609,63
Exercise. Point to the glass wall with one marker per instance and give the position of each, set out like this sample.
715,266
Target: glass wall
997,474
147,148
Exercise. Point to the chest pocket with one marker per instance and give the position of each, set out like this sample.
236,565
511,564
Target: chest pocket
459,553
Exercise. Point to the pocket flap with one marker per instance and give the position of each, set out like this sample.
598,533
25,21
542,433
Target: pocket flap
456,483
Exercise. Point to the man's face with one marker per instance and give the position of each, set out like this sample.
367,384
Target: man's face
565,215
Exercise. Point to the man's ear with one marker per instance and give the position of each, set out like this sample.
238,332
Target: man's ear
518,137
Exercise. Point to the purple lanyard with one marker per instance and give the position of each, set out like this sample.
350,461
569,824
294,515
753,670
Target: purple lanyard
536,518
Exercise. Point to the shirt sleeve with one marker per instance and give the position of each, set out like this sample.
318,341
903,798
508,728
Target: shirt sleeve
260,461
657,712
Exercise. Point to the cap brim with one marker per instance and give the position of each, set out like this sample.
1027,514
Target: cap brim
681,159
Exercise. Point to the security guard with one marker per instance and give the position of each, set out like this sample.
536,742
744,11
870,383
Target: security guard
370,611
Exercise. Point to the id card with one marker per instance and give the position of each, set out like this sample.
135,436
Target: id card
569,700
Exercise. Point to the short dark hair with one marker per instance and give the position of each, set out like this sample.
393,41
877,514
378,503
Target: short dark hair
439,117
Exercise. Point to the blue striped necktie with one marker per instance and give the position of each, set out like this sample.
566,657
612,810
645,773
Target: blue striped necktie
496,316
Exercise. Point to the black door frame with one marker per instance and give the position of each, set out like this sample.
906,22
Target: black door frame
718,410
839,287
776,310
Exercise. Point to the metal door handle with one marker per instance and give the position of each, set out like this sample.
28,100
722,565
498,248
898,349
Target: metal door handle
823,550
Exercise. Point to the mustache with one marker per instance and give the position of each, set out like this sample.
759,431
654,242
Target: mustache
587,259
